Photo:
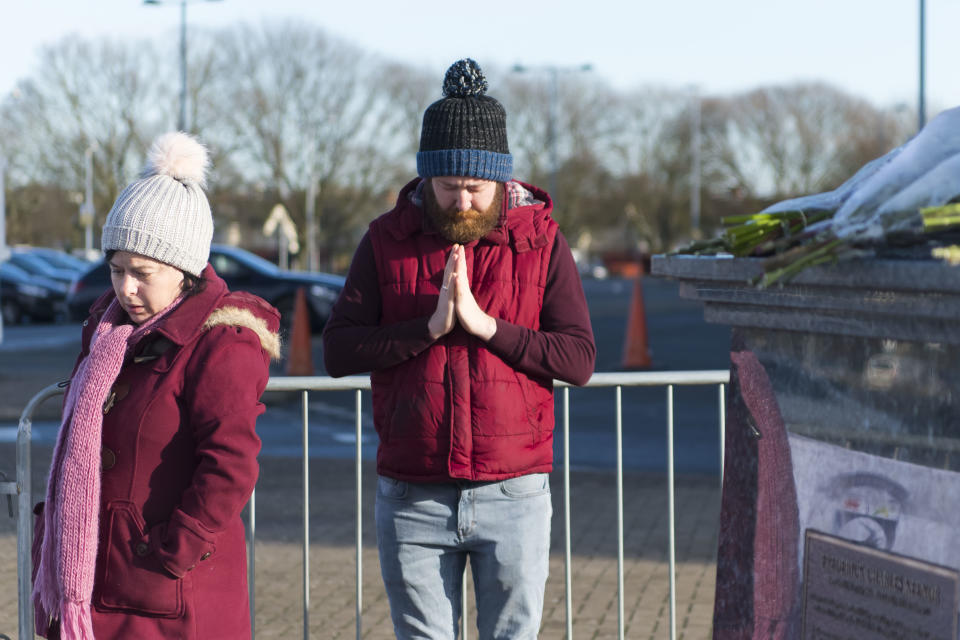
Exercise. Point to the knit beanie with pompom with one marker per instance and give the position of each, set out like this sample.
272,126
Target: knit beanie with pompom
465,132
164,214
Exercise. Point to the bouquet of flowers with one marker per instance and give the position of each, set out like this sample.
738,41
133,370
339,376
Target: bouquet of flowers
907,196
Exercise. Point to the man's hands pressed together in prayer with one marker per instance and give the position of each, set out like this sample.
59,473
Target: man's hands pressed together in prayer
456,302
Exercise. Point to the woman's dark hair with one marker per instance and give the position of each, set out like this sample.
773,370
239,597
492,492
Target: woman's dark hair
192,285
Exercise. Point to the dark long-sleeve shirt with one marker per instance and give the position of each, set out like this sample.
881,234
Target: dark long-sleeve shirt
563,347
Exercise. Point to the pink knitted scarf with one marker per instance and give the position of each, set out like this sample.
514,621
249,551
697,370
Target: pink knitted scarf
64,583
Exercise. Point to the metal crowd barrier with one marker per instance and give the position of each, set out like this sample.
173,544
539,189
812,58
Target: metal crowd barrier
667,379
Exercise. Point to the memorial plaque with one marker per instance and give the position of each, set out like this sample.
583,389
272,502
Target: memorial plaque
856,592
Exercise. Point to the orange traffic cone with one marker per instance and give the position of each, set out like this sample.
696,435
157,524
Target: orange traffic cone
636,353
300,358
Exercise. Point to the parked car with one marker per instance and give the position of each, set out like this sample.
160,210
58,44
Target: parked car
26,296
35,265
9,302
61,259
242,271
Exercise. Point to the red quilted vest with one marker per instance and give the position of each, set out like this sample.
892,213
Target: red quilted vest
458,410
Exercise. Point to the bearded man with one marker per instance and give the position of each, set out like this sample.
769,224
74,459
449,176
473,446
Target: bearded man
465,304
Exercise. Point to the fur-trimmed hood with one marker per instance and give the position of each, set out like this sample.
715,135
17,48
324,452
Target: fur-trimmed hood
237,317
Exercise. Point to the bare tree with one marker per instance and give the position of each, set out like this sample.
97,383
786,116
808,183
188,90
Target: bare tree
409,92
637,122
284,105
287,104
797,139
567,132
104,94
526,99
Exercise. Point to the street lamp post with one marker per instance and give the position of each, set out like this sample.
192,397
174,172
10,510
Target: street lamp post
86,209
553,118
3,222
3,209
182,120
313,261
695,168
182,123
552,123
922,98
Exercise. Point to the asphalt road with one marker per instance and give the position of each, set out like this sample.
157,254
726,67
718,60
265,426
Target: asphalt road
33,356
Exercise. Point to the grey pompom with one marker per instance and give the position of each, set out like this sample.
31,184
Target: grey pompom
464,79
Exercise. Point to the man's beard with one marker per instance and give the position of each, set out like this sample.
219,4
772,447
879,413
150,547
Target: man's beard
462,227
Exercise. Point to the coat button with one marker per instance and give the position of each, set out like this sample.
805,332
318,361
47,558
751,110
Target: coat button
205,556
141,549
107,459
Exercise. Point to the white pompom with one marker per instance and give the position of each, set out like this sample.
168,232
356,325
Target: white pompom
178,155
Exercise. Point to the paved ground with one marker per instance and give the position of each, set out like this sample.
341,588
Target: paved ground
279,566
279,597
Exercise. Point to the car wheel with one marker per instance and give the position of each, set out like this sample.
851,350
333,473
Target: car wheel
10,310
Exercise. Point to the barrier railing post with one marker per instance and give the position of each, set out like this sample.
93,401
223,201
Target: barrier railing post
24,530
567,555
723,428
358,468
620,595
672,517
25,511
306,517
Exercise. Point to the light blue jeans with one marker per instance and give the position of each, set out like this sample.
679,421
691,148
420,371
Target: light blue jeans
426,532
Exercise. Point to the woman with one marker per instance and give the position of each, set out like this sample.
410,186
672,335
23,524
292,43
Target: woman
141,535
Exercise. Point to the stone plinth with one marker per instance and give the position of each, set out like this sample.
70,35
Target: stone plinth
843,426
900,299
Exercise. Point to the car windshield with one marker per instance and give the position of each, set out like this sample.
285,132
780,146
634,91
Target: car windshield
62,260
34,264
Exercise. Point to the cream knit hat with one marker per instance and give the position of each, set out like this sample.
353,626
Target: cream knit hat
164,214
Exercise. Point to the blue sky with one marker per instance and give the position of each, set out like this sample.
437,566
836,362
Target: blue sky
869,47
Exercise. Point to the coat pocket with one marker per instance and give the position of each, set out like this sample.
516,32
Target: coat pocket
132,578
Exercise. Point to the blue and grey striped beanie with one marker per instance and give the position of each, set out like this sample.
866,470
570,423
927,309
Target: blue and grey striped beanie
465,132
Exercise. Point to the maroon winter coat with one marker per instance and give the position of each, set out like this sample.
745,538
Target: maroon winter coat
179,462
